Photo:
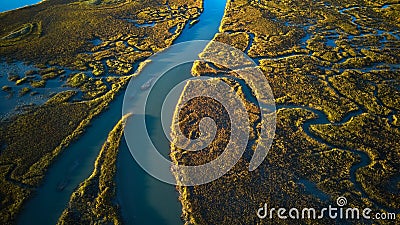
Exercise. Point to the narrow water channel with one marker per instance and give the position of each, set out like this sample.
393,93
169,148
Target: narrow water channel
142,199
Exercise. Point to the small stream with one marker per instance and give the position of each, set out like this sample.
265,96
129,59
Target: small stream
322,119
365,160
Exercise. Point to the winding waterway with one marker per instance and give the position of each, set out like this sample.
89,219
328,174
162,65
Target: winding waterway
142,199
322,119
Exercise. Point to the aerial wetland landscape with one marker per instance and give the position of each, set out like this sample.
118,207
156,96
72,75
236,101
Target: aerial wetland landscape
333,68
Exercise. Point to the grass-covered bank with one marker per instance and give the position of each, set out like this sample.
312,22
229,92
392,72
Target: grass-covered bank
94,200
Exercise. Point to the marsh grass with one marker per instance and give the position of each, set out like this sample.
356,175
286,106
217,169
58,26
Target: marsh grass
334,74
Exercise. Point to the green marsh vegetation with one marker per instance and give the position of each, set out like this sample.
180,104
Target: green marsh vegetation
65,29
333,69
377,177
91,47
